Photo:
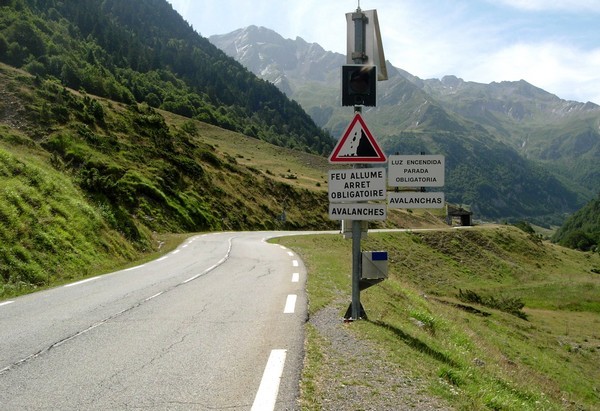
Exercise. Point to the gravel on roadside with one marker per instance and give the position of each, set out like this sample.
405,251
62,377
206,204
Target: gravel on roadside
356,375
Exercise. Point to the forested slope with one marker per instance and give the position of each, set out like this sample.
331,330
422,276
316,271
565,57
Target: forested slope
582,229
144,51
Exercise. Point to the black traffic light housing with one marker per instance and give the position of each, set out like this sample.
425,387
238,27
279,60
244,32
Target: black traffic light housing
359,85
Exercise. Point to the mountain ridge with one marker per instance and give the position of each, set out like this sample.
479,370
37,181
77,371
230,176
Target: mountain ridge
539,127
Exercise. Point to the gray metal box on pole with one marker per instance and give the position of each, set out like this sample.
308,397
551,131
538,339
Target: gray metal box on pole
374,265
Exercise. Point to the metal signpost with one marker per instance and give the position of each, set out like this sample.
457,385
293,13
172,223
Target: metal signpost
350,189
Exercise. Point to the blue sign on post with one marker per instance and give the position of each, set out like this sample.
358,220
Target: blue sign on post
379,256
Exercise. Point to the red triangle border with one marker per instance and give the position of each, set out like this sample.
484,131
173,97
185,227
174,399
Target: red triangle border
334,158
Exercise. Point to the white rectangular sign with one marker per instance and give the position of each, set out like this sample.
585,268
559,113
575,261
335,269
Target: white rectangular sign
415,200
357,212
350,186
416,171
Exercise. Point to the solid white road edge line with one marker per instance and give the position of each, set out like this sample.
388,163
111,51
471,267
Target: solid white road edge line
295,277
135,268
82,282
266,396
290,304
6,303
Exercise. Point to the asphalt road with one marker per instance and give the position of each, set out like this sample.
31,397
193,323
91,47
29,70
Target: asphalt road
216,324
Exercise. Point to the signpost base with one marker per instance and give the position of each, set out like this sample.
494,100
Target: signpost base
361,316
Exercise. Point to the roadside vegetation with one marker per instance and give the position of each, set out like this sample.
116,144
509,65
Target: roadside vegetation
490,318
87,185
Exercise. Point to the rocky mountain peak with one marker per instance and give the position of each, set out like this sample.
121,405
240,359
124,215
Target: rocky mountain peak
281,61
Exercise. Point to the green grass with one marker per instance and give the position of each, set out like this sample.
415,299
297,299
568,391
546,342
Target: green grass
482,358
49,232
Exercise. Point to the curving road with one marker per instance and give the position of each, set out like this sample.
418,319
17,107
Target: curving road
215,324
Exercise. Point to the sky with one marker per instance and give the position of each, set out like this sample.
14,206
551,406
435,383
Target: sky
552,44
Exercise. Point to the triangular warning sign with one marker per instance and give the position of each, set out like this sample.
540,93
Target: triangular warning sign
357,145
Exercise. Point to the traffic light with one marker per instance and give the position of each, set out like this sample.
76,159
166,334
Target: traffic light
359,85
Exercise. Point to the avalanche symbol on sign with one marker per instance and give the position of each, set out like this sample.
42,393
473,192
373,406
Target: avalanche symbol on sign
357,145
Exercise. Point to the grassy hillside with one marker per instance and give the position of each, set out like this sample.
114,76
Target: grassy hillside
87,184
488,319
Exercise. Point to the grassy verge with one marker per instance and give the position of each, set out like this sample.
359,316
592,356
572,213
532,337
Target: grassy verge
50,234
472,355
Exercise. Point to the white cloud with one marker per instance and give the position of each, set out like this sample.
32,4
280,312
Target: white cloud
565,71
557,5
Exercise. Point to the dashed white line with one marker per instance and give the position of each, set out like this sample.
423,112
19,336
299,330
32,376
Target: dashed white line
82,282
266,397
209,269
154,296
175,252
290,304
162,258
290,254
295,277
6,303
212,267
295,263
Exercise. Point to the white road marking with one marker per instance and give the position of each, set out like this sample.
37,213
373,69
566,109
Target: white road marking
295,263
295,277
154,296
283,247
82,282
290,304
6,303
290,254
162,258
209,269
266,396
136,267
175,252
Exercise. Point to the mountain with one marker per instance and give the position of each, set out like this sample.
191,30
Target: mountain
563,135
513,150
286,63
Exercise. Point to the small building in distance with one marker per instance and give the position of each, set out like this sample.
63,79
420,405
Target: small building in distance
456,215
